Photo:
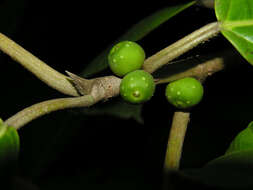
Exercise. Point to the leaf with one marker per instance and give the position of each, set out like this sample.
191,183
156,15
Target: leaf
243,141
236,19
117,108
232,170
135,33
9,147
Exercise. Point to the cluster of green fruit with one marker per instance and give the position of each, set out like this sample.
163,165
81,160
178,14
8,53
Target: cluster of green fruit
137,86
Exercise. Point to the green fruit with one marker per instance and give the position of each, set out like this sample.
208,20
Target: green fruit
184,93
126,57
137,87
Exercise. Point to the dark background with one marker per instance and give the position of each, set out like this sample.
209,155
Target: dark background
67,149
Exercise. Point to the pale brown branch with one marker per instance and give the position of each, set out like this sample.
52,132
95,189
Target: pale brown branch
102,88
99,88
181,46
37,110
61,82
176,140
200,71
40,69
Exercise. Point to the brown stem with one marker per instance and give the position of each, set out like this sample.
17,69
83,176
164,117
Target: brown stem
200,71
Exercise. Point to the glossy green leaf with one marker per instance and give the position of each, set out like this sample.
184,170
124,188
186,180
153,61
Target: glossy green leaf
236,19
243,141
135,33
9,145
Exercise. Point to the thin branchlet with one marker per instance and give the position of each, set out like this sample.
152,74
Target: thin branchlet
176,139
96,89
39,68
102,88
200,71
181,46
37,110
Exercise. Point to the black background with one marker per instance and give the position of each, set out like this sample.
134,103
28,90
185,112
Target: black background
103,152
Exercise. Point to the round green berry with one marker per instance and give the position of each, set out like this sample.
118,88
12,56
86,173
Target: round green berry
137,87
184,93
126,57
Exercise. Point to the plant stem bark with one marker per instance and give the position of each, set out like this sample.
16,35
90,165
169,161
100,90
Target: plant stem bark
103,88
200,72
181,46
37,110
40,69
176,140
61,82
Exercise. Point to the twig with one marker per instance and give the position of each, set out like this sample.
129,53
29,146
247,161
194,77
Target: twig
200,71
181,119
61,82
176,140
40,69
37,110
103,88
181,46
